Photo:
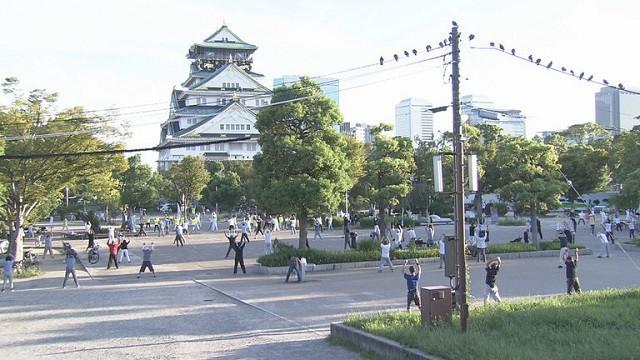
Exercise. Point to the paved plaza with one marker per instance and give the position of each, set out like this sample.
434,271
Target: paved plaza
197,308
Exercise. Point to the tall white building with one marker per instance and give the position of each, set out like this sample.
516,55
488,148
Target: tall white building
617,110
359,131
414,119
482,111
219,100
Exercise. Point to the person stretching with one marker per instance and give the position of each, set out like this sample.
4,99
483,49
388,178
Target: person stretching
231,236
238,247
412,279
146,259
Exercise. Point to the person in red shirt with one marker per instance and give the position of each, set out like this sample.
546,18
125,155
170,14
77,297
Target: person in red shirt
113,252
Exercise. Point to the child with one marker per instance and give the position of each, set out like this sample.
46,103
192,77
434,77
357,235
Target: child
8,273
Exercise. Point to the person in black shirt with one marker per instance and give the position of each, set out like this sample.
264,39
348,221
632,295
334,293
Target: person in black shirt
238,247
491,289
572,276
231,236
539,226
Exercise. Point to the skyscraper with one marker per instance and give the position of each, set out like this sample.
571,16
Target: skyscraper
482,111
617,110
329,86
414,119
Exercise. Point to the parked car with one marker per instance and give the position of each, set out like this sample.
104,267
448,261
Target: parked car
435,219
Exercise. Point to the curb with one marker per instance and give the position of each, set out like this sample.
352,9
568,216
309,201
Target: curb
282,270
388,349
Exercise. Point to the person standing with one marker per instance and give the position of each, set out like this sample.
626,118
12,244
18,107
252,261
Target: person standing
70,263
8,273
441,249
385,258
244,230
481,244
329,222
347,232
48,245
376,228
618,222
258,227
179,240
430,235
294,265
111,234
572,275
491,289
65,224
592,223
539,226
632,229
147,250
238,247
292,224
412,279
604,242
267,242
608,231
231,236
113,252
472,232
213,226
92,239
124,249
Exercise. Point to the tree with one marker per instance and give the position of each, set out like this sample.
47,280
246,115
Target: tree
423,194
32,181
388,168
529,177
224,189
139,187
188,179
624,159
304,165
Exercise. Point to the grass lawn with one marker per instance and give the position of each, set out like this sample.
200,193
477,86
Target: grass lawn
635,242
594,325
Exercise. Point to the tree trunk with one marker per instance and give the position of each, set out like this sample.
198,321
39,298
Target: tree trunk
477,205
534,225
16,240
382,222
302,240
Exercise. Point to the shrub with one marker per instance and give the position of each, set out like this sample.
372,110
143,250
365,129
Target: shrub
510,248
512,222
366,222
368,245
555,245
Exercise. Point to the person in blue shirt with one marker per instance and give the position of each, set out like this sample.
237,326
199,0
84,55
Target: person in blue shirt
8,273
412,279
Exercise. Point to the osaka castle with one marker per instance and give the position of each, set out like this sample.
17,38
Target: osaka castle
219,100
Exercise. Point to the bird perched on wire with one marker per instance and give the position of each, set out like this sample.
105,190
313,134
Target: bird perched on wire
471,37
406,53
549,64
621,86
530,58
440,43
455,24
590,78
501,47
395,56
492,44
563,68
604,81
415,52
538,61
513,52
581,75
381,60
428,48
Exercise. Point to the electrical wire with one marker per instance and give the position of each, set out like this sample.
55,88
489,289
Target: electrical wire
118,151
537,63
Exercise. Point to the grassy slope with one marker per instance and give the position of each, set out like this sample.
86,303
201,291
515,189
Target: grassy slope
594,325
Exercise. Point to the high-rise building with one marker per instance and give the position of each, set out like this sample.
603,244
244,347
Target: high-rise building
359,131
414,119
219,100
329,86
617,110
482,111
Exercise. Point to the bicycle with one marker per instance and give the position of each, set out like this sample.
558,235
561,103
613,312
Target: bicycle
94,254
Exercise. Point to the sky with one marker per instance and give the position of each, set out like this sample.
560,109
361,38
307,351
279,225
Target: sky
125,54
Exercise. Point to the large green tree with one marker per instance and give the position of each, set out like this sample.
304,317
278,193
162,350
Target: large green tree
37,129
529,177
388,168
423,196
187,180
305,165
140,187
624,159
224,190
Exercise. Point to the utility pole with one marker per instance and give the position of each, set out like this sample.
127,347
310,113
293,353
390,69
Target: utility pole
458,168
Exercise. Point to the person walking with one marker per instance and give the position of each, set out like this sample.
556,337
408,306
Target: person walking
8,273
113,252
124,249
539,226
238,247
147,250
347,232
292,224
294,265
491,289
317,228
48,245
70,263
267,242
385,250
412,279
481,244
604,243
329,222
573,284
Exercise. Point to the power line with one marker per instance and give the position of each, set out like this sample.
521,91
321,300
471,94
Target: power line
563,70
117,151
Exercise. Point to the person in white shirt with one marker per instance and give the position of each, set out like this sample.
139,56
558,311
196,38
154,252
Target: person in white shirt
267,241
244,229
618,222
398,237
482,244
232,222
441,250
409,235
605,245
609,233
385,249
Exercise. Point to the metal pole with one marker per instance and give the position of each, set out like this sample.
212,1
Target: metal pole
458,169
